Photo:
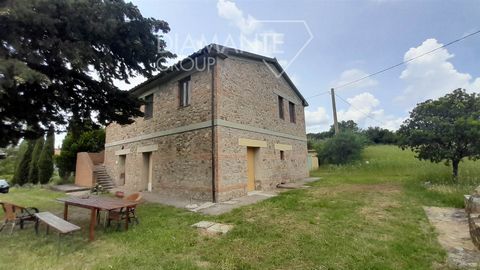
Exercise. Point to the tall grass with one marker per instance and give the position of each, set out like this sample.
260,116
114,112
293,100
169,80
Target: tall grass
431,182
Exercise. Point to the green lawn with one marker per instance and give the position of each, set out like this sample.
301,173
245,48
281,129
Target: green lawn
363,216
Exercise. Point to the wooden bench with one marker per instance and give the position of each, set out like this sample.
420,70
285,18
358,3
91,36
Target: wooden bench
62,226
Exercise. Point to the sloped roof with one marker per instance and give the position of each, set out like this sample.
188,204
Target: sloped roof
212,50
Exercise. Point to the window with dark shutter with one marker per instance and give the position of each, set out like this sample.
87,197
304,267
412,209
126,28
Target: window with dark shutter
280,108
291,109
148,113
185,92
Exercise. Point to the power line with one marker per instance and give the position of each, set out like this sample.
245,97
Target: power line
397,65
317,95
408,60
366,114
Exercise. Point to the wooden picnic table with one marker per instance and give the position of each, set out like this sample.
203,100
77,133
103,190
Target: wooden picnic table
95,204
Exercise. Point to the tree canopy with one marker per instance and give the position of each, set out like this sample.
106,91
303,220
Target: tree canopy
446,129
91,140
59,58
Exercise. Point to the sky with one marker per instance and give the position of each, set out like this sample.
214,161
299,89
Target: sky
325,44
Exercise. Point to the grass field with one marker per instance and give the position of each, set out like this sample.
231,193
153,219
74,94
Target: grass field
362,216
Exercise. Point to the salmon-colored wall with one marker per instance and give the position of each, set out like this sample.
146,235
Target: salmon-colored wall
84,176
97,158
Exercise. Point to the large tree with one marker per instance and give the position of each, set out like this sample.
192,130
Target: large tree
88,141
446,129
59,58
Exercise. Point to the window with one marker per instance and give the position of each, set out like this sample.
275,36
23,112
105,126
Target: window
282,155
148,112
280,108
291,109
185,92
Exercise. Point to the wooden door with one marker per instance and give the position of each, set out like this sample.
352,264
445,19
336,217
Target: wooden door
250,168
122,159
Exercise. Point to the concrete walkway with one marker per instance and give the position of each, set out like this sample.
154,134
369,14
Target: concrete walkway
453,235
210,208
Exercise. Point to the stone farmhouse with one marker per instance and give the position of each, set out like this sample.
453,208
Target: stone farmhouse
217,125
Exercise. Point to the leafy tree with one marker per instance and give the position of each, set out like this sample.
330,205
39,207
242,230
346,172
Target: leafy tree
89,141
59,58
446,129
341,149
33,170
21,171
379,135
8,165
345,126
45,162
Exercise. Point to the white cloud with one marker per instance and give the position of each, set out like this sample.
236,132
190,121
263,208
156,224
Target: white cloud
253,35
432,75
317,120
229,10
363,111
361,105
351,75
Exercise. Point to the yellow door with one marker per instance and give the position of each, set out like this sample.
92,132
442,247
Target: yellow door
251,168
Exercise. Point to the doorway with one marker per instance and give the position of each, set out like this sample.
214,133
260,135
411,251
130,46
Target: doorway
147,170
121,169
251,151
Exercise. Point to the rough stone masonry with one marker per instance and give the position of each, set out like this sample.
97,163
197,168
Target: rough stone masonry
200,150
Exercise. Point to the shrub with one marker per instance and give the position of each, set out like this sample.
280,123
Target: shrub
23,163
33,170
342,148
89,141
45,162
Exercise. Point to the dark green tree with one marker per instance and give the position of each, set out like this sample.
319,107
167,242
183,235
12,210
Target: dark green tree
59,58
379,135
446,129
45,162
342,148
89,141
33,170
345,126
23,163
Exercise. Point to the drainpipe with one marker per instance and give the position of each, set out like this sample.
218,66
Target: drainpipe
214,191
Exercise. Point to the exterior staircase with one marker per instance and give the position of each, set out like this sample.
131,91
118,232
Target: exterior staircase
102,177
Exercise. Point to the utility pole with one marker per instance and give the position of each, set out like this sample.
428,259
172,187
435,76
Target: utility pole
334,106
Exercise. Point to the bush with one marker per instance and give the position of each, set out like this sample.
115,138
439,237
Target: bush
45,161
342,148
378,135
20,176
89,141
33,170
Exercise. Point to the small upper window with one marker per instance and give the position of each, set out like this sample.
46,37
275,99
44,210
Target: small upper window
148,112
185,92
280,108
291,109
282,155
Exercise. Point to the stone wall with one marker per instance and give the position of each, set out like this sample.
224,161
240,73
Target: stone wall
181,165
248,94
270,170
167,114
